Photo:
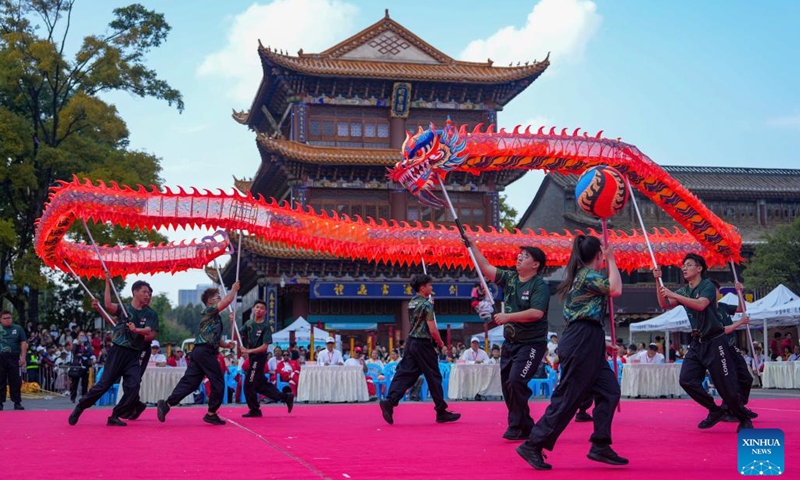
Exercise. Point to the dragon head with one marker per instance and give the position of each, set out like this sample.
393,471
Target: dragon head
428,156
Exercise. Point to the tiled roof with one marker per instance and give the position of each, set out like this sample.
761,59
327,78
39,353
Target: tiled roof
456,71
242,185
281,250
330,155
437,67
722,179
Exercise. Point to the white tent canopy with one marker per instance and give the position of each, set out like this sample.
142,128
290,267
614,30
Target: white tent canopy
302,334
765,308
671,320
786,314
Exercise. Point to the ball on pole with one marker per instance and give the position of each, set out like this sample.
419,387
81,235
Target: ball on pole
601,191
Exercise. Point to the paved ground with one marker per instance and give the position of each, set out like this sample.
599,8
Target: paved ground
61,402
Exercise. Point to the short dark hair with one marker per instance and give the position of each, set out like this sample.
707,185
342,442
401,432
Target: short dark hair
139,284
699,260
5,312
537,254
417,281
208,293
262,302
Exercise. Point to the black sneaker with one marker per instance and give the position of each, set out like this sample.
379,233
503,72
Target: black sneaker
605,455
583,417
253,414
729,418
75,415
515,434
744,424
387,410
712,419
162,409
534,456
18,406
288,399
115,422
137,411
751,413
445,417
213,419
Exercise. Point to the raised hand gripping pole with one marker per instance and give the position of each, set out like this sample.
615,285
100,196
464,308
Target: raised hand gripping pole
644,231
234,330
756,365
75,275
105,269
466,242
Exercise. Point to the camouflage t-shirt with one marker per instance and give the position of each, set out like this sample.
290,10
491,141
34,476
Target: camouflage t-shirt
210,327
420,311
587,298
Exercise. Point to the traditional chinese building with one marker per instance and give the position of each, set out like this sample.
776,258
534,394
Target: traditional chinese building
754,200
327,126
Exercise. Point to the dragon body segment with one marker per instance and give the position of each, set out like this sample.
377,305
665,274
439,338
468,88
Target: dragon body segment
293,227
432,154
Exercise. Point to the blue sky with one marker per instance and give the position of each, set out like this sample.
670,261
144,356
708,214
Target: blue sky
690,83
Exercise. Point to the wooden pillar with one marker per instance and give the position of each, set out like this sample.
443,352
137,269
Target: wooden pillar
398,204
299,305
397,132
404,324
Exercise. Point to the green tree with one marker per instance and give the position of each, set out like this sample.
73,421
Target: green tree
54,126
777,260
508,215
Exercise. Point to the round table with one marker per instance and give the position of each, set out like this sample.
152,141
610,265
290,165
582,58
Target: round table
468,380
332,383
651,380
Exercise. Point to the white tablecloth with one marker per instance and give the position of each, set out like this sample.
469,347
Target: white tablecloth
158,383
332,383
651,380
466,381
781,375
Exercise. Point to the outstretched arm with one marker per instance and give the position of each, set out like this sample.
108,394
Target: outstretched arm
488,270
229,298
110,305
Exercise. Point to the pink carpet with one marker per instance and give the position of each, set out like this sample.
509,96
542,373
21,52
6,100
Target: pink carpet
352,441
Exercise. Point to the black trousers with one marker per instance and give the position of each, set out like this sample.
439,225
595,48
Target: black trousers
204,364
9,375
121,363
144,357
716,356
586,404
83,380
584,372
518,364
257,383
420,359
743,377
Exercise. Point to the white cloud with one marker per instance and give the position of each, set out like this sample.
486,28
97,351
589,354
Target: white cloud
790,121
561,27
289,25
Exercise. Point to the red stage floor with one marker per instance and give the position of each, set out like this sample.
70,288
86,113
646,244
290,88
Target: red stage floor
352,441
